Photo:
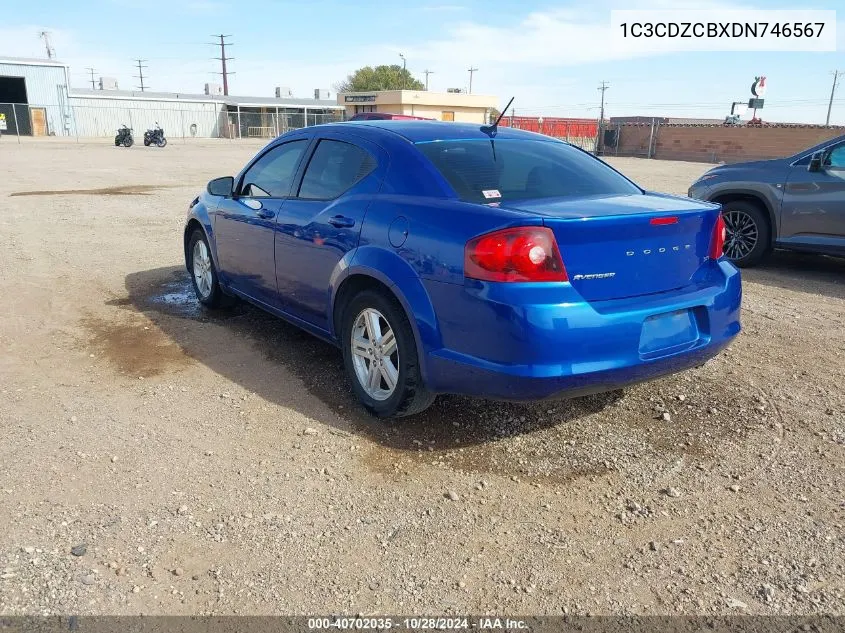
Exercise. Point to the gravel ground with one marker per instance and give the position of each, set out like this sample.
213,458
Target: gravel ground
158,459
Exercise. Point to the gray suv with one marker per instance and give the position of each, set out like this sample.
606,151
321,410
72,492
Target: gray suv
795,203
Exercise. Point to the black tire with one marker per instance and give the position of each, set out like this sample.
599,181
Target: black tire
215,297
127,142
116,142
146,142
410,395
754,222
161,142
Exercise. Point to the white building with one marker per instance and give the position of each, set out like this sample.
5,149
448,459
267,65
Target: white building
35,99
33,96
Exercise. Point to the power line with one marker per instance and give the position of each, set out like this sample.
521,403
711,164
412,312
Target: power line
140,75
836,74
691,104
427,73
223,59
93,83
471,71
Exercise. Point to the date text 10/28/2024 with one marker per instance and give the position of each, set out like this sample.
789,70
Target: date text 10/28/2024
415,624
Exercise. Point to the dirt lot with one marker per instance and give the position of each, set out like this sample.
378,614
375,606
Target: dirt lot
218,465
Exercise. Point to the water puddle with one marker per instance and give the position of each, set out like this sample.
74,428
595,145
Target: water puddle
137,348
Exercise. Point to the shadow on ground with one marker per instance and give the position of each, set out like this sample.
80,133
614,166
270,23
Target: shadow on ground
166,297
801,272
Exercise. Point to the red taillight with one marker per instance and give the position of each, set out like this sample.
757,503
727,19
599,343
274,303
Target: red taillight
664,220
717,245
519,254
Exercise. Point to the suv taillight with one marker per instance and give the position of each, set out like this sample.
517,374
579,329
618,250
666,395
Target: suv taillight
518,254
717,245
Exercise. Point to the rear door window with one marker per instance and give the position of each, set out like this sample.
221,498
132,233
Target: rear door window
509,169
334,168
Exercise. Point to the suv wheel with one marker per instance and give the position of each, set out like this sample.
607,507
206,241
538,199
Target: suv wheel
748,234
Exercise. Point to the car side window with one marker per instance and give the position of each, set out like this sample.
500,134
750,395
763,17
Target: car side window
333,169
836,157
271,176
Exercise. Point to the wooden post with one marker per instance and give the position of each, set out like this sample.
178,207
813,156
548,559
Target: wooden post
650,138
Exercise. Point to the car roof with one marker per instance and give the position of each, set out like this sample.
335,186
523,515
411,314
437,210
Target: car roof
422,131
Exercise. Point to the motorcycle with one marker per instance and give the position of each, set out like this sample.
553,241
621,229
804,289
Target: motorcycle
155,136
124,137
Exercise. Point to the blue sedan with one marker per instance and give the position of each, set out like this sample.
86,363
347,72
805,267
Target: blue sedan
453,258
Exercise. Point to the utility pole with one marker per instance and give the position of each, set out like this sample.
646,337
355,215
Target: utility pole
471,71
404,69
604,86
223,59
140,75
427,73
51,52
835,74
93,83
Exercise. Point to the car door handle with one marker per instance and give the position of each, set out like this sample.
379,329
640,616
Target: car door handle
341,222
265,214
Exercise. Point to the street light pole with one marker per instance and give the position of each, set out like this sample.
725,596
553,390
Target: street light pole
404,69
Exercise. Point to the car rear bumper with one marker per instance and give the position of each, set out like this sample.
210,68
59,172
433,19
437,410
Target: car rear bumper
500,344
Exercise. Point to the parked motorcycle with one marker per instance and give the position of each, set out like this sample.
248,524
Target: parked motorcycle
124,137
155,136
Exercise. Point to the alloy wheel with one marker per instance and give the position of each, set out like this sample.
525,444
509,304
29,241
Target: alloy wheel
375,354
202,269
742,234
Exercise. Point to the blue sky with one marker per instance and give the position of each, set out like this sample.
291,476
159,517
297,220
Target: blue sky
550,55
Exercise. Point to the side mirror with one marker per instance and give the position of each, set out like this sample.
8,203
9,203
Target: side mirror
816,162
221,186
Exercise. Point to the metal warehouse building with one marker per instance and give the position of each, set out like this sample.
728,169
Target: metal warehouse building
101,112
35,99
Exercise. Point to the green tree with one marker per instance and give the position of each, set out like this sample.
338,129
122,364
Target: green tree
368,79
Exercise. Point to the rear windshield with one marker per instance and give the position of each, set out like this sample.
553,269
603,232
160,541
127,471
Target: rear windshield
513,169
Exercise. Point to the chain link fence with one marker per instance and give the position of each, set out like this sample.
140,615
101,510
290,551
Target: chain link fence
183,121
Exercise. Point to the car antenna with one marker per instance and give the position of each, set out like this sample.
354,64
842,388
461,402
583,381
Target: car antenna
491,129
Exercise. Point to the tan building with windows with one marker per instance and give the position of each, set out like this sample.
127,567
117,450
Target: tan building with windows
442,106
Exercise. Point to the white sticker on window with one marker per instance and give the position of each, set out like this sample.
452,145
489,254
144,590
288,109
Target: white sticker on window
491,193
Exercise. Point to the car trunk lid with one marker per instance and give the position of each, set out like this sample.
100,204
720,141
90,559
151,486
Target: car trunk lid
615,247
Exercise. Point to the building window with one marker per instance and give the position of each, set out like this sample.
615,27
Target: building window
447,116
364,108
